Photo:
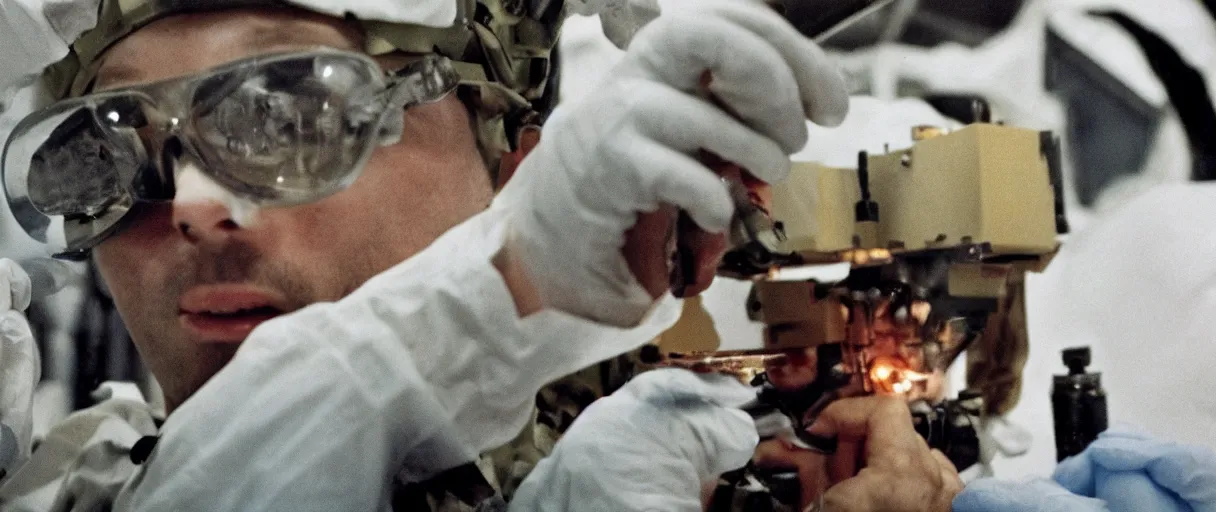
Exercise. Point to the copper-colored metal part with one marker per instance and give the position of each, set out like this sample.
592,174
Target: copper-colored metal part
744,365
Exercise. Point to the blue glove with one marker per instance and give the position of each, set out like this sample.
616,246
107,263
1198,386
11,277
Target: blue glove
992,495
1122,470
1131,471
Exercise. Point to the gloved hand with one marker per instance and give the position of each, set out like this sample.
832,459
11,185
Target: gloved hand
1039,495
1132,471
650,446
1122,470
629,149
20,368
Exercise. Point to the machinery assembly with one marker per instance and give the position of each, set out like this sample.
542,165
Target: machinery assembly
936,238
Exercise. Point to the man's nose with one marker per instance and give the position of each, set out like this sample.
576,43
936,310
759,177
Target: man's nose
203,211
203,221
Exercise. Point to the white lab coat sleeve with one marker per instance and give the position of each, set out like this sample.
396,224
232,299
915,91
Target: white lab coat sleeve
416,372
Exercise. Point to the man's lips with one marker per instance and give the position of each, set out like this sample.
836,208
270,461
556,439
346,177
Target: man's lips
227,313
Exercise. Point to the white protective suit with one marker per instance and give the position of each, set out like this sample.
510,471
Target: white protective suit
429,363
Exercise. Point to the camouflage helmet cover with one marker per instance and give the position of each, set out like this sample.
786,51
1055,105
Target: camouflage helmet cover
503,50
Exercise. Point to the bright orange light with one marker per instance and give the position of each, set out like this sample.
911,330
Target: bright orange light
891,376
882,372
863,256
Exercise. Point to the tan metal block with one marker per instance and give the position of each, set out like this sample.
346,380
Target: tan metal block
785,301
795,318
979,280
799,335
815,206
985,183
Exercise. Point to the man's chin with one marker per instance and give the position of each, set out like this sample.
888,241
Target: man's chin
213,341
208,360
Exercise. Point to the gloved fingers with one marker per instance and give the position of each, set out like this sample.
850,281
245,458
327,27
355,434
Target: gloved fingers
825,97
1188,471
691,124
748,75
15,288
988,494
728,436
675,414
14,331
668,387
667,176
1076,474
19,365
1126,431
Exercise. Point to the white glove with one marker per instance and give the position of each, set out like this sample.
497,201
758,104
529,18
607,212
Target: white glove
620,19
627,147
20,368
651,446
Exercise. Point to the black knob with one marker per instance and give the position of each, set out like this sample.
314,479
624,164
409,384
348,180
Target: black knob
651,354
1076,359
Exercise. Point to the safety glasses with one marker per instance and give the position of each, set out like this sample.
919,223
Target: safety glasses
278,130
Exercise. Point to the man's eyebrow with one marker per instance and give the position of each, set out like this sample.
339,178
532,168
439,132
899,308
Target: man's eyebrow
279,35
113,76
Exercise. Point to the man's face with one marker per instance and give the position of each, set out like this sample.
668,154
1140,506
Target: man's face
178,263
